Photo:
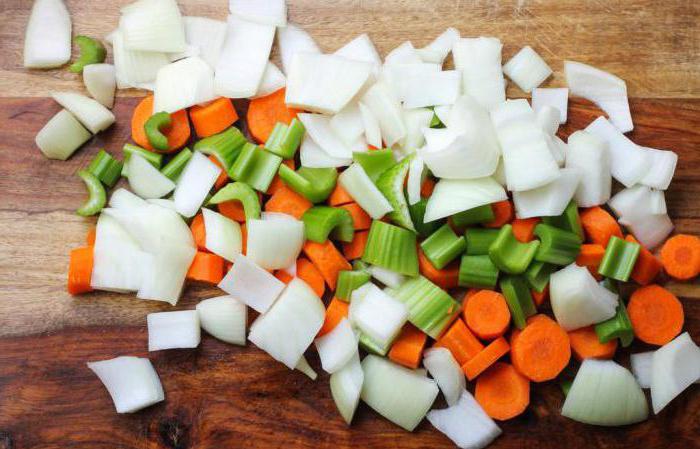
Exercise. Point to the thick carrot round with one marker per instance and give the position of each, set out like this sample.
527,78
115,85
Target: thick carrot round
360,219
502,392
446,278
541,350
265,112
335,312
483,360
277,182
586,345
214,117
199,232
407,349
80,270
647,267
327,259
524,229
91,236
656,314
599,225
284,276
487,314
287,201
206,267
354,249
307,272
680,256
460,341
540,297
178,133
426,189
339,196
502,212
590,255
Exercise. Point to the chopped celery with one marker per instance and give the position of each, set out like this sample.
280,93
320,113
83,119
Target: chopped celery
319,221
619,259
568,221
106,168
391,183
154,159
510,255
519,299
314,184
242,192
538,273
443,246
391,247
349,280
91,52
430,308
479,240
153,127
477,272
226,146
375,162
417,212
372,347
359,265
97,195
476,215
618,326
173,168
557,246
565,385
285,139
435,122
255,166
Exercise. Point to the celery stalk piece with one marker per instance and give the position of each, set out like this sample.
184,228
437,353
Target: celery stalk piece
519,299
510,255
557,246
417,212
285,139
568,221
391,183
255,167
537,275
479,240
375,162
91,52
348,281
314,184
477,272
173,168
226,146
443,246
391,247
106,168
153,126
477,215
239,191
619,259
61,136
154,159
430,308
618,326
371,346
321,221
97,195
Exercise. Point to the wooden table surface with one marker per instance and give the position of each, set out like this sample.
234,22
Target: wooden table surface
221,396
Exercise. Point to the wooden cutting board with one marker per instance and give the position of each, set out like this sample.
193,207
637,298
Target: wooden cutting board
221,396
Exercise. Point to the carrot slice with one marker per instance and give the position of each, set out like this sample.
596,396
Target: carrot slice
80,270
407,349
487,314
277,182
199,232
335,312
484,359
471,292
446,278
327,259
524,229
178,134
339,196
460,341
541,350
502,212
680,256
206,267
287,201
586,345
599,225
656,314
360,219
502,392
354,249
91,236
265,112
426,189
223,176
307,272
540,297
284,276
647,267
590,255
214,117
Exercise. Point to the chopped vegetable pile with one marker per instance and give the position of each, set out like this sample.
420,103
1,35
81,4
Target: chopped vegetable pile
359,202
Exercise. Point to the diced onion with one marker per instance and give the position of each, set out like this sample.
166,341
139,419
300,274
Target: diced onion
89,112
637,201
661,168
164,273
273,80
268,12
557,98
347,124
650,230
223,235
194,184
361,49
47,40
153,25
100,81
548,119
640,363
319,128
456,195
377,314
386,108
510,111
589,154
205,36
479,59
304,367
313,156
117,257
373,133
172,330
135,68
674,367
446,372
361,188
430,89
274,244
415,180
146,180
291,40
252,285
225,318
527,69
336,348
346,386
453,155
549,200
132,382
405,53
182,84
415,120
465,423
387,277
440,47
61,136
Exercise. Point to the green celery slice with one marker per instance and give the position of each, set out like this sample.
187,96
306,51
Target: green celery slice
106,168
375,162
239,191
569,220
226,146
619,259
372,347
558,247
479,240
255,167
435,122
619,326
538,274
477,272
391,183
154,159
476,215
285,139
391,247
173,169
443,246
519,299
320,221
417,212
510,255
91,52
349,280
314,184
430,308
97,197
153,127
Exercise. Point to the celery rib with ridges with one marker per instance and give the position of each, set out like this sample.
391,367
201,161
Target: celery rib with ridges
255,167
391,247
239,191
391,183
479,240
106,168
557,246
348,281
619,259
173,169
510,255
568,221
443,246
314,184
618,326
476,215
537,275
477,272
284,140
518,298
323,221
430,308
226,146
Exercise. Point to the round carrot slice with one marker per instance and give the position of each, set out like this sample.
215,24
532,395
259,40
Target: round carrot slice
264,113
656,314
586,345
178,133
541,350
503,214
487,314
502,391
680,256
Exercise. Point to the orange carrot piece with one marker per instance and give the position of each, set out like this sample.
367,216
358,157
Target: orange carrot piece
360,219
244,239
590,255
599,225
327,259
647,267
91,236
232,209
199,232
214,117
524,229
354,249
502,392
541,350
277,182
586,345
287,201
284,276
680,256
540,297
335,312
446,278
408,347
487,314
426,189
178,133
502,212
484,359
80,270
307,272
223,176
339,196
206,267
265,112
471,292
656,314
460,341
